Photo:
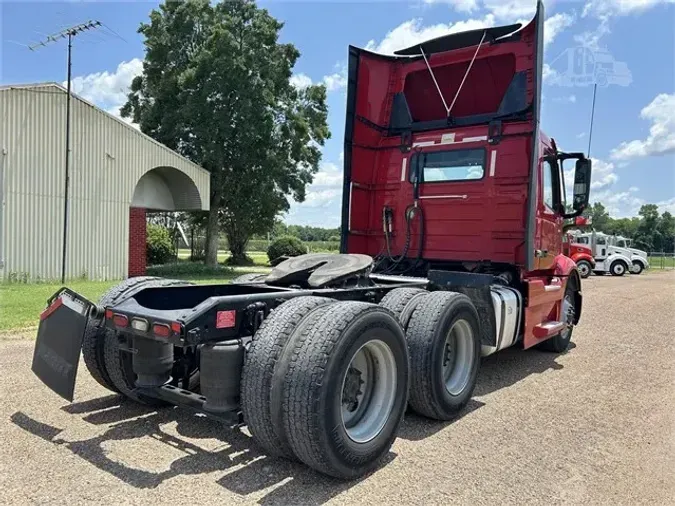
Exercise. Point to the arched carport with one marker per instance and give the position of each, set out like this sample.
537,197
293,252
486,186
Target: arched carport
159,189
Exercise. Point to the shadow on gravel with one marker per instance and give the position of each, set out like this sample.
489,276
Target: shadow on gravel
244,469
512,365
497,371
253,471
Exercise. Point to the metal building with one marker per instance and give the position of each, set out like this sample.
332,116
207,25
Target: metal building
116,172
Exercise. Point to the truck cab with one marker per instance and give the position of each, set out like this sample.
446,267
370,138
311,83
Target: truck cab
580,254
639,257
608,257
448,175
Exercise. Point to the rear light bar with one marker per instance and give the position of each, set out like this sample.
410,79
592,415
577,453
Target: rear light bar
140,324
161,330
120,320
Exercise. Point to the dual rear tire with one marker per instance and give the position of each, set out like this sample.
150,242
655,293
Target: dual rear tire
443,337
327,382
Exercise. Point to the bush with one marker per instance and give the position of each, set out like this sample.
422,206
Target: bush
159,246
286,246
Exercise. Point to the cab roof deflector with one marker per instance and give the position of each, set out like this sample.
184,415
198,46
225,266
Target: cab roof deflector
459,40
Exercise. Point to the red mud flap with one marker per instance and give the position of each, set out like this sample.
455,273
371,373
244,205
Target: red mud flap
59,341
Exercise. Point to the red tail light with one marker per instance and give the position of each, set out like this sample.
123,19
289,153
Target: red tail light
161,330
176,327
108,314
120,320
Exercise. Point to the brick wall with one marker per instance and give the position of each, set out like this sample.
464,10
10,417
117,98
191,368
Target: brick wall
137,237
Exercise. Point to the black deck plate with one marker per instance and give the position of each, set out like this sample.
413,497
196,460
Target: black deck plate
59,341
319,269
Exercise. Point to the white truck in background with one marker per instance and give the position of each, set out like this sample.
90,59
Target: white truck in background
639,257
608,257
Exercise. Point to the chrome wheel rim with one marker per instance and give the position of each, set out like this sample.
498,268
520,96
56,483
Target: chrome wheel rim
568,315
368,391
458,357
584,270
618,269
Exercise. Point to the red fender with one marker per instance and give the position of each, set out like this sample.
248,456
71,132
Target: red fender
545,294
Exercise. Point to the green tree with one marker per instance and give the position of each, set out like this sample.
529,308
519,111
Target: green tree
599,216
216,87
666,230
647,235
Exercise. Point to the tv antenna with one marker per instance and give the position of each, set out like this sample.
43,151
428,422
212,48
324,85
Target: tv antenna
590,131
68,33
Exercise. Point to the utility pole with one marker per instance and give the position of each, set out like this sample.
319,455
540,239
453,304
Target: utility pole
68,33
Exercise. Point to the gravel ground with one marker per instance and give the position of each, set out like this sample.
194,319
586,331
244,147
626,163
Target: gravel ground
593,426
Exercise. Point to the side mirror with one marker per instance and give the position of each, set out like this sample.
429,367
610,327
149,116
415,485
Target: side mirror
582,186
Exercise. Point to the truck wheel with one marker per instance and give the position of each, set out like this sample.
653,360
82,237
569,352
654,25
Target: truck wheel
345,387
118,362
618,268
561,342
402,302
261,358
584,268
637,268
444,343
249,278
94,337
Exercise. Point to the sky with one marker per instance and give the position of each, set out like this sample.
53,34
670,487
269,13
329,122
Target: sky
633,141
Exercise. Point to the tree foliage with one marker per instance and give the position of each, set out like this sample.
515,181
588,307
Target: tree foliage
159,246
216,88
649,230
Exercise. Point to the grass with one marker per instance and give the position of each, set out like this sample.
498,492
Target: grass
662,262
21,303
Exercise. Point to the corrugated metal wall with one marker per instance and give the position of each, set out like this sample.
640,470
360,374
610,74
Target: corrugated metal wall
107,160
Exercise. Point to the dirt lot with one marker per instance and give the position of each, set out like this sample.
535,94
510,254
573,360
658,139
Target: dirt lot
595,425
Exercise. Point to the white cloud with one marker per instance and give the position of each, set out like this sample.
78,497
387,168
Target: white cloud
108,90
335,81
549,74
301,81
608,8
633,189
326,188
509,10
618,204
661,138
554,25
667,205
581,135
458,5
569,99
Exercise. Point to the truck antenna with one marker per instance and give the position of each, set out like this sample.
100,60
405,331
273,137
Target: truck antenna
590,132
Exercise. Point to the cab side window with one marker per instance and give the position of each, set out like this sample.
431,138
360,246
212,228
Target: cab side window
582,240
602,241
547,183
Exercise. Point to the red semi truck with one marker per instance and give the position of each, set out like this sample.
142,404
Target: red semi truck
452,226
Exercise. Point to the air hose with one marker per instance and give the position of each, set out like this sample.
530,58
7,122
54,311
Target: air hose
411,212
